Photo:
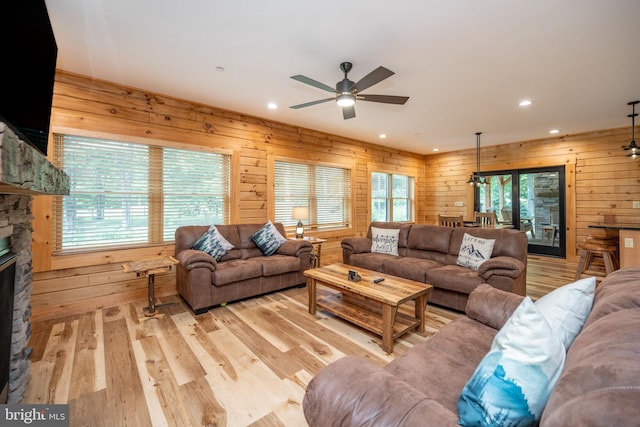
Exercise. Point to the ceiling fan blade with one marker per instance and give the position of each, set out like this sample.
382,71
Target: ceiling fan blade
376,76
348,112
308,104
387,99
313,83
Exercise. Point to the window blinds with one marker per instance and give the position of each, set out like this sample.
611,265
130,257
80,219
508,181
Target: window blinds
325,190
126,194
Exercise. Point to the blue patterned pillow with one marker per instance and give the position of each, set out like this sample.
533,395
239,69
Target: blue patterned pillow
213,243
268,239
512,383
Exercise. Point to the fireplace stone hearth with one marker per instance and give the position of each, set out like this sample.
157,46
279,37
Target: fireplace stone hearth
24,173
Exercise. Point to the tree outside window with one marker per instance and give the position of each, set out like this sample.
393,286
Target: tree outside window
391,197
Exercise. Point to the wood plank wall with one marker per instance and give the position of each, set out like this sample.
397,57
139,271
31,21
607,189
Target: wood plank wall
75,283
600,180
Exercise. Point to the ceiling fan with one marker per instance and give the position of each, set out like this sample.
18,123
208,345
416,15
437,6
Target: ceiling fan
347,92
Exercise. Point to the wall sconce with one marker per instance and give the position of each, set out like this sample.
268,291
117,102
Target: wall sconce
300,213
634,150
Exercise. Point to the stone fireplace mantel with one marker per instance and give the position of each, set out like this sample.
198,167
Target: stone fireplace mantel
24,170
24,173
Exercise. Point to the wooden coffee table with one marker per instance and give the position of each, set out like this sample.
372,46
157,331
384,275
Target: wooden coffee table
372,306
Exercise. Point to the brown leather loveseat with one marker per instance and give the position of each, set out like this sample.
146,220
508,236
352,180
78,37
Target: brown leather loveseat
428,254
242,272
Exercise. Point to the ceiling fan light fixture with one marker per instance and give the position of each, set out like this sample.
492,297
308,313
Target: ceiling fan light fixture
346,100
347,92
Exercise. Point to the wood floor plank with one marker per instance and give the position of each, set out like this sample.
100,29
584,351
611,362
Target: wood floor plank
278,362
240,394
282,333
39,338
149,381
269,420
52,374
88,370
125,397
184,364
209,354
289,411
159,385
89,409
330,330
205,409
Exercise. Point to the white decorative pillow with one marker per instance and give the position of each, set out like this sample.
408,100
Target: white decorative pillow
385,240
512,383
474,251
268,239
213,243
567,308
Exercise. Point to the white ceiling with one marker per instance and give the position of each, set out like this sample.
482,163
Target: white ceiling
465,64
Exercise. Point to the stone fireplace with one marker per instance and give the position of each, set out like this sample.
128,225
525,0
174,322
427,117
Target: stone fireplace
24,173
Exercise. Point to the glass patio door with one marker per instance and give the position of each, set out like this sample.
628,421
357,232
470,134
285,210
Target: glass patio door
539,209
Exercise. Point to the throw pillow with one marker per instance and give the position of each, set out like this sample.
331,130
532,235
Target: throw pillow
268,239
474,251
567,308
385,240
512,383
213,243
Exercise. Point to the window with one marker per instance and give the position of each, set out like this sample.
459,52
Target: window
325,190
391,197
125,194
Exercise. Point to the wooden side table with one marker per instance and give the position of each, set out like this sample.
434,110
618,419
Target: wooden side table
149,268
317,246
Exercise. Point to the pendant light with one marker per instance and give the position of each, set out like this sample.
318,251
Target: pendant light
634,150
475,179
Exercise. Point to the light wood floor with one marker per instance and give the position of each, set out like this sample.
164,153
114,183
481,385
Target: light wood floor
246,364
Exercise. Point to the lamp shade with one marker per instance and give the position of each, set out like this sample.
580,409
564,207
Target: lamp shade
300,212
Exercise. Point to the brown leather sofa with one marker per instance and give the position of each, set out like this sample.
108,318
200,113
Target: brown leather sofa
242,272
599,384
428,253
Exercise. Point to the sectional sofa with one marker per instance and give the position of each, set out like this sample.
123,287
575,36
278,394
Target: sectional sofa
598,383
429,254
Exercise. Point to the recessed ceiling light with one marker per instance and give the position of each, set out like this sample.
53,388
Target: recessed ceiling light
436,149
525,103
382,136
553,131
272,106
219,68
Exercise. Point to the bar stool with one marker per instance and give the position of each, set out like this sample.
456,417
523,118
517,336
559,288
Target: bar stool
596,249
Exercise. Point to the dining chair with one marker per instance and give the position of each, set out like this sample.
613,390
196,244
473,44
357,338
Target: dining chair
507,216
451,221
486,219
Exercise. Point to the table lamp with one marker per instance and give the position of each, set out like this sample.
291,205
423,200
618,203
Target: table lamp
300,213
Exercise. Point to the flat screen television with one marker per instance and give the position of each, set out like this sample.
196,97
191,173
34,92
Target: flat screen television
29,54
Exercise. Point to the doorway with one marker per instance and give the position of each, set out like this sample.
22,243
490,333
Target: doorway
539,208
